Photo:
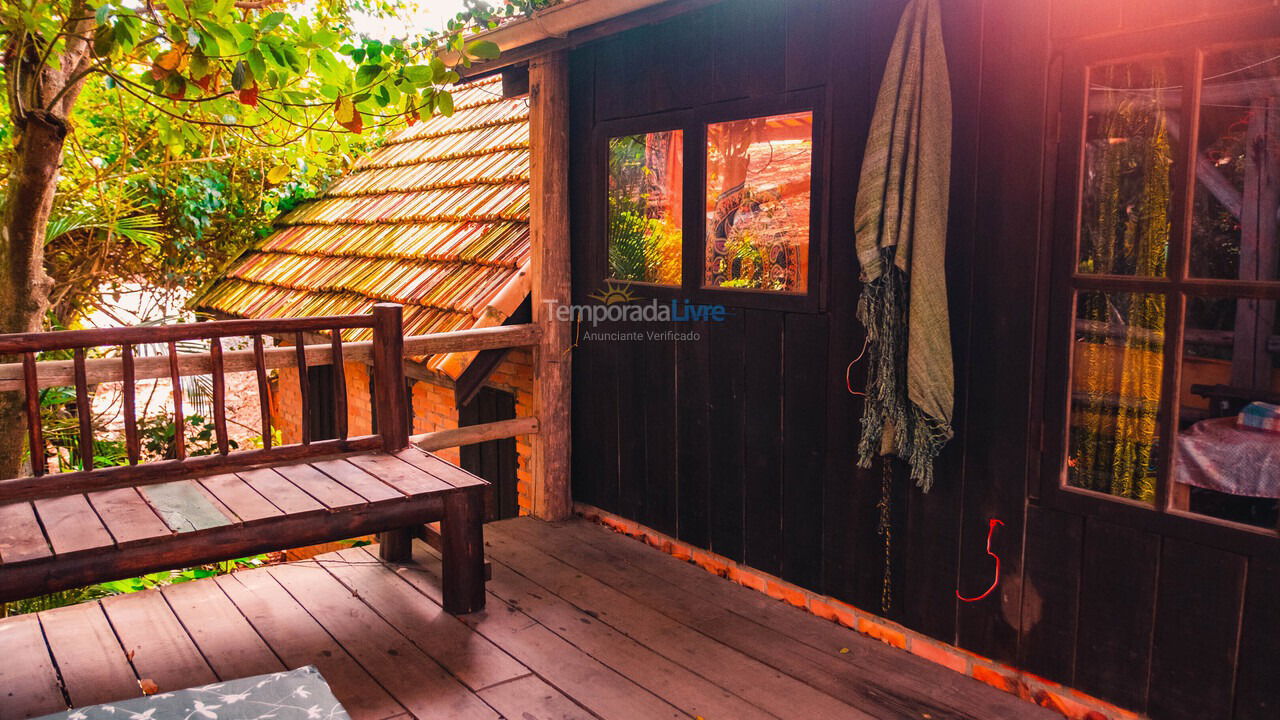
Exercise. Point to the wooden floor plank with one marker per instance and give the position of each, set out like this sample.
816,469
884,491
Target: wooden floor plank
471,658
283,494
869,675
226,640
94,667
244,501
602,690
320,486
439,468
299,640
358,481
127,515
531,698
20,536
71,524
29,686
159,647
412,678
400,475
689,691
185,506
557,595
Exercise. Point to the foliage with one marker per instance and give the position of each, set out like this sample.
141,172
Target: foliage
197,121
643,245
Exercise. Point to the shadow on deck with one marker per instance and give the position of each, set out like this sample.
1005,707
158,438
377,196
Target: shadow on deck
581,623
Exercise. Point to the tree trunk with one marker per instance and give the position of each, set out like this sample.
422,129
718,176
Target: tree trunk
41,96
24,286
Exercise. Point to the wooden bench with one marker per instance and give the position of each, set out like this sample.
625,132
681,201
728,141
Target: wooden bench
70,529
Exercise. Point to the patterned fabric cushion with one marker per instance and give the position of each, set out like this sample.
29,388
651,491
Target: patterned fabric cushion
1260,416
300,694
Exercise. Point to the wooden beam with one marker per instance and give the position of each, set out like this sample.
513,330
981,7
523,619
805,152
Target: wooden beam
59,373
549,229
472,434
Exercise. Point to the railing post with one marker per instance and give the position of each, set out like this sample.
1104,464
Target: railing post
388,376
549,227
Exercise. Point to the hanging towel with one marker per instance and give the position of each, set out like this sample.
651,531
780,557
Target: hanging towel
901,231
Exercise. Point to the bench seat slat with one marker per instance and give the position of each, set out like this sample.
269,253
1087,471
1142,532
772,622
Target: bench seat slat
184,506
72,525
358,481
20,536
400,475
248,505
127,515
320,486
432,465
282,493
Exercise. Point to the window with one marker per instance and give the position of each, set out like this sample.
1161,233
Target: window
757,212
646,173
1173,288
745,237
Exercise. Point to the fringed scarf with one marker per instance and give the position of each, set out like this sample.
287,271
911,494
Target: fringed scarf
901,231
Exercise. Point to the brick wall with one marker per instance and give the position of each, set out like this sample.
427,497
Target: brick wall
433,408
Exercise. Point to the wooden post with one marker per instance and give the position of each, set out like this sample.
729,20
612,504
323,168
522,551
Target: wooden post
462,551
393,423
549,228
388,376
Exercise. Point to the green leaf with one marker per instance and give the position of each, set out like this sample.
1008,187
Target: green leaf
103,39
270,22
102,14
483,50
444,102
257,63
238,75
178,9
367,74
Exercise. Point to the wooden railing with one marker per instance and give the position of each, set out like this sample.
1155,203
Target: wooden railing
385,353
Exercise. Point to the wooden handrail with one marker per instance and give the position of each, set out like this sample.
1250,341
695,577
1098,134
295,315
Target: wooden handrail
141,335
60,373
472,434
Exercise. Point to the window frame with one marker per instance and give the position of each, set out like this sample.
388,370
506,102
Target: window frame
1188,45
693,123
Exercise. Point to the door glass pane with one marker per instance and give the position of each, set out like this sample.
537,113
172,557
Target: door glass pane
1116,376
1227,468
646,174
1131,141
758,192
1237,195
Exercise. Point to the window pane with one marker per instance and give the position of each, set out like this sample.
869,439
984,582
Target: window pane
1128,157
1231,357
1237,192
758,189
1117,370
645,181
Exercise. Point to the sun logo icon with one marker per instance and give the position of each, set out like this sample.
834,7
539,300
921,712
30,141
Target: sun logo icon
612,293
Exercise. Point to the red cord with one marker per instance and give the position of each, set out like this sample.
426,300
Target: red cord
991,530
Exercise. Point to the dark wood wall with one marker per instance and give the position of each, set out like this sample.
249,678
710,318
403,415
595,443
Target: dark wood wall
743,442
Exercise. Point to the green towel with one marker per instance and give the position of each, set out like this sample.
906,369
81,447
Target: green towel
901,235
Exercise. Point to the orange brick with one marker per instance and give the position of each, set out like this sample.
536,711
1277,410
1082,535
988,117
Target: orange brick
991,677
882,632
786,593
822,609
747,578
939,654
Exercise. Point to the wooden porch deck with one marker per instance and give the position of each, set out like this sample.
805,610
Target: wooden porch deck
581,623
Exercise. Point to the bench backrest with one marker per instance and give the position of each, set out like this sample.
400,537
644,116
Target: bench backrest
27,375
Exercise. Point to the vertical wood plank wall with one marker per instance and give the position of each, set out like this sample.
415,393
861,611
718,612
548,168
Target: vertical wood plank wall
743,442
